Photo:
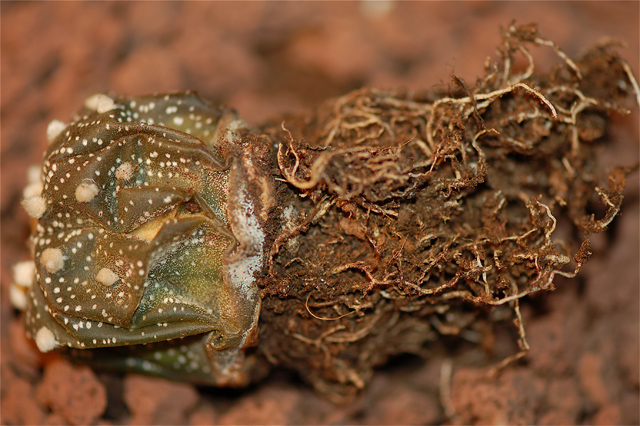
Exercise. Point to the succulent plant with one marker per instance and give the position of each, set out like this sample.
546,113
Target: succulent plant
145,233
354,232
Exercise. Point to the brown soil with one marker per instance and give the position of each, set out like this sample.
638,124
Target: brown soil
270,59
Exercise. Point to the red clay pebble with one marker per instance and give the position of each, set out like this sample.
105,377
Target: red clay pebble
25,356
272,406
54,419
563,403
18,406
157,401
512,398
203,415
129,76
73,392
403,406
590,373
608,415
397,400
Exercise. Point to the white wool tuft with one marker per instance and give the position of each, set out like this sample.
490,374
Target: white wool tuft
32,190
35,206
86,192
234,126
54,129
52,260
106,276
24,273
34,174
18,297
105,104
125,171
45,340
241,272
249,233
100,103
92,101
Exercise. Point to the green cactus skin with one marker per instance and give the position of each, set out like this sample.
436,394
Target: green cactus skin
149,240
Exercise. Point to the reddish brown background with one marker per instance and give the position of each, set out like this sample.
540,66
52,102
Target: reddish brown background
269,58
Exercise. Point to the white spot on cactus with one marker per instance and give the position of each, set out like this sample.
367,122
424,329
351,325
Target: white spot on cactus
249,233
178,121
32,190
18,297
24,273
125,171
92,101
52,260
54,129
106,276
35,206
86,192
100,103
34,174
232,128
105,104
241,272
45,340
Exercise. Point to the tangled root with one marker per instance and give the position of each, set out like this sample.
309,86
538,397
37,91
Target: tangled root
406,216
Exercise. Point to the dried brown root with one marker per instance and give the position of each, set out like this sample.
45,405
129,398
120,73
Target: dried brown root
407,216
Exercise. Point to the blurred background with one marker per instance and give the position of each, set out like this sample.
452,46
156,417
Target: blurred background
262,58
267,58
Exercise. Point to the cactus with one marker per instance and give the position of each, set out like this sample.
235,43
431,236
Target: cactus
145,234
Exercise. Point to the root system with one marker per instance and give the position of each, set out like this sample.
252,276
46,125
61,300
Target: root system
403,216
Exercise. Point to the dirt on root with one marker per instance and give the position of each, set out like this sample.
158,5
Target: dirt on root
272,62
415,215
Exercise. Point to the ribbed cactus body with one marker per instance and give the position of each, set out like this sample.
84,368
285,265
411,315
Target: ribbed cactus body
140,240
